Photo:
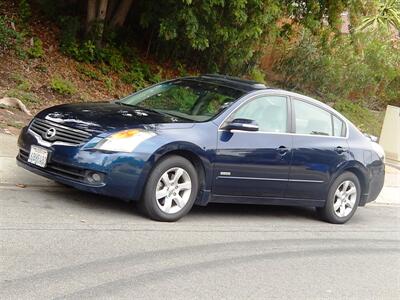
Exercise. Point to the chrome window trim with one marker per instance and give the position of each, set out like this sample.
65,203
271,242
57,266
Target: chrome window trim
290,96
286,133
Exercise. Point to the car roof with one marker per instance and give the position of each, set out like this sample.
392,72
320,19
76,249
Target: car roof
230,81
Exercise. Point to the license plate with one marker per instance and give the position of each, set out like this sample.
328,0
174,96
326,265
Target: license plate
38,156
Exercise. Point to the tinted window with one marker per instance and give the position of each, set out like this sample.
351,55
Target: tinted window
311,119
338,127
270,113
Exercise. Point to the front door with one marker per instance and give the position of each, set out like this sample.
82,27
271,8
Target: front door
255,164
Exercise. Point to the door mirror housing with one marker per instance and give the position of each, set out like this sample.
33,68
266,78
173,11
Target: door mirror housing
242,124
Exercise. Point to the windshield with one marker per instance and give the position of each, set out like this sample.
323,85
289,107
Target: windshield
187,99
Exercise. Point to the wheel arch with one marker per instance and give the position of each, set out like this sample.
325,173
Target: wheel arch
361,172
193,154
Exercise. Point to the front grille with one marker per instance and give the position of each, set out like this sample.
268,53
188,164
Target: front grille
53,132
58,168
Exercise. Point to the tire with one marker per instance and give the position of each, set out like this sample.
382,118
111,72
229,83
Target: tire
166,197
341,203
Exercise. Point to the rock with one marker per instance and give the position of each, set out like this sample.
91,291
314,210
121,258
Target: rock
6,131
14,102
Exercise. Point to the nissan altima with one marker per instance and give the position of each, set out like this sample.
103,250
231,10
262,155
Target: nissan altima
210,138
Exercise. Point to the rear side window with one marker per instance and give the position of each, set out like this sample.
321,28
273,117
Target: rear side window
310,119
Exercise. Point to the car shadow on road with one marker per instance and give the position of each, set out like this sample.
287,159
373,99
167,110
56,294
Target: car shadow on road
239,210
211,211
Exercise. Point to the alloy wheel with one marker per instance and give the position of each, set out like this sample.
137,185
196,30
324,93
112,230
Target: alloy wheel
345,198
173,190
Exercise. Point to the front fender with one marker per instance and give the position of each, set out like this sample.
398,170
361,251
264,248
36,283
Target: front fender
205,156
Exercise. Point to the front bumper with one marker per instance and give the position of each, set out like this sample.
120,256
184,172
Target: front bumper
122,173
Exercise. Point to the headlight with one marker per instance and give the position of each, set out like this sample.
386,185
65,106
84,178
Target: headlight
124,141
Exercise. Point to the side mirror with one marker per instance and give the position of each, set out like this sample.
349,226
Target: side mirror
242,124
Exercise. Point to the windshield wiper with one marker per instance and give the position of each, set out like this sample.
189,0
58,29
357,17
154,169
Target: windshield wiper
174,116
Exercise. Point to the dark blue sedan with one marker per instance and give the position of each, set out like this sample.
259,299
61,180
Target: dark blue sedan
204,139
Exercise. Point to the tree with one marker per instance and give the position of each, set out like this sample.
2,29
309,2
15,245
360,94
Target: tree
119,16
218,35
228,34
105,13
387,15
313,13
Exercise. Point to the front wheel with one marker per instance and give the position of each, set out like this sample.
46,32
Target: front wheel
171,189
343,198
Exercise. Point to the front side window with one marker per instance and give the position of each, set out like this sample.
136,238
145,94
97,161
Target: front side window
269,112
310,119
185,99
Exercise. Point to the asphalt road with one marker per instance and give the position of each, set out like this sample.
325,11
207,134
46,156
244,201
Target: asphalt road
60,243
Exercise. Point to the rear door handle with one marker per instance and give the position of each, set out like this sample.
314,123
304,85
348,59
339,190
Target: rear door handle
340,149
282,150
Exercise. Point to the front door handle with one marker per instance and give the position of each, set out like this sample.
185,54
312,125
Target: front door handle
282,150
340,149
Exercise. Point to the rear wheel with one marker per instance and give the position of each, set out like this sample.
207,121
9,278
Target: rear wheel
343,198
171,189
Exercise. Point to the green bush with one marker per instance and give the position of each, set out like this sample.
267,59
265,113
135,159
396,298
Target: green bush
26,97
104,69
68,35
108,83
24,86
9,38
336,68
134,77
257,75
41,68
62,86
113,57
24,10
86,52
116,62
36,50
92,74
156,77
140,75
217,35
366,120
22,83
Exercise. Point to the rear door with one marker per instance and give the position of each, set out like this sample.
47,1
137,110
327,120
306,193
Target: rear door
319,148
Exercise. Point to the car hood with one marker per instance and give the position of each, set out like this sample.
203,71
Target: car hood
102,117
